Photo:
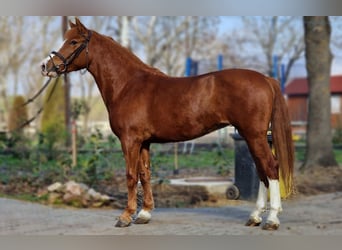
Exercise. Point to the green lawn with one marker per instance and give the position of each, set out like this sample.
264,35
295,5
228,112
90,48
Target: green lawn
300,154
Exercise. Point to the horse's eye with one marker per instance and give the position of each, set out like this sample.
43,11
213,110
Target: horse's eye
73,42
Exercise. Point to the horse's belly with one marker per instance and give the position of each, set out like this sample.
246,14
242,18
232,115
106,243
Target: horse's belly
186,131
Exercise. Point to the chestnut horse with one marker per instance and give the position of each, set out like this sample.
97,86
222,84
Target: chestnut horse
146,106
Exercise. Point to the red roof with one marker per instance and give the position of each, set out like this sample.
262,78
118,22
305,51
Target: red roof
299,86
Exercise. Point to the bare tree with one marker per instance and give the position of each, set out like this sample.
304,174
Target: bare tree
14,50
269,36
46,35
8,49
21,49
319,149
118,27
167,41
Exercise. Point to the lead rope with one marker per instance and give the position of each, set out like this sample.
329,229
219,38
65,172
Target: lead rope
33,98
38,93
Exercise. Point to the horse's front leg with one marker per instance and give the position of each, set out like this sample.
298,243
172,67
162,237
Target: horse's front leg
144,216
132,153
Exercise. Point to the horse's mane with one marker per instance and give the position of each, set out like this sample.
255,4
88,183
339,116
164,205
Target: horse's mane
124,53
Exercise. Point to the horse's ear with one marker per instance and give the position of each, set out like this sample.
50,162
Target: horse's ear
81,28
71,24
77,21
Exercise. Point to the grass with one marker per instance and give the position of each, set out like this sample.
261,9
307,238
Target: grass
300,154
198,159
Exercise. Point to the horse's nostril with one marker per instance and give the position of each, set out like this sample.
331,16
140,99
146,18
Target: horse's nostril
43,66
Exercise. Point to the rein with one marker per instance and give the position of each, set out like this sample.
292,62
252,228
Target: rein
33,98
38,93
68,60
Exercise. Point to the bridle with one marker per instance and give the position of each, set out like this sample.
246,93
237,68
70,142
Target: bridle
66,61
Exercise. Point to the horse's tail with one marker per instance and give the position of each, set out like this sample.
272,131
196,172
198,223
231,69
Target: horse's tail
282,139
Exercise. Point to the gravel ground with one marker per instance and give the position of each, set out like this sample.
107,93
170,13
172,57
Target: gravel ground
313,215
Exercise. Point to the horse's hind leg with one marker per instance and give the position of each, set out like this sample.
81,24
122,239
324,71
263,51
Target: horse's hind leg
267,168
272,222
261,203
144,215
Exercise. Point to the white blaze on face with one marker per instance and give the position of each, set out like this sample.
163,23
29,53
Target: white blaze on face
45,60
61,45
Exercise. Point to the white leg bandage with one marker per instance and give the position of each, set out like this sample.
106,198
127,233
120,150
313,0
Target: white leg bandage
143,216
260,203
275,201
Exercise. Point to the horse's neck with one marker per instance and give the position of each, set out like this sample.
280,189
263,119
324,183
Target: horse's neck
111,66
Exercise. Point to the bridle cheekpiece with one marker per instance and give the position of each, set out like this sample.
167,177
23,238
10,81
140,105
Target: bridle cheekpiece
66,61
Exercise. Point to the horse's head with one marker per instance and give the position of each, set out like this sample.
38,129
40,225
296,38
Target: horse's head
72,56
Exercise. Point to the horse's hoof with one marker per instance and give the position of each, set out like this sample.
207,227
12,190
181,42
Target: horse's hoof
143,217
141,221
252,223
122,223
270,226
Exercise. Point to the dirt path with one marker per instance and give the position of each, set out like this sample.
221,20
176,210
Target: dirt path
314,215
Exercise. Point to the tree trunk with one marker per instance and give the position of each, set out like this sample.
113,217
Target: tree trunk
66,92
319,148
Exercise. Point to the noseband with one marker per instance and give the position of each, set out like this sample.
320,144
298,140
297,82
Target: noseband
62,68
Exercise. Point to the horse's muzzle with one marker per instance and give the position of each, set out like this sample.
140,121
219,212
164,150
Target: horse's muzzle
46,72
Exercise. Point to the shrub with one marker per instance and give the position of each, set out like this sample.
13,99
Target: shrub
18,115
53,119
